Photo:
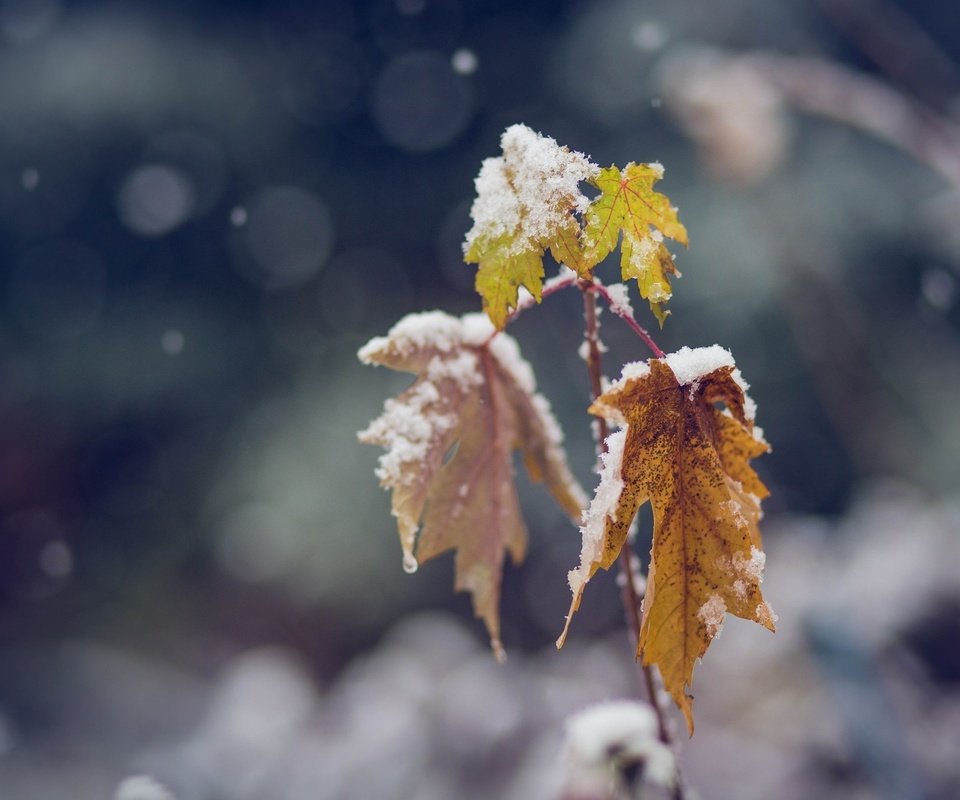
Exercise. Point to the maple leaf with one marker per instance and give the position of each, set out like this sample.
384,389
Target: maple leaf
526,202
691,460
627,203
474,397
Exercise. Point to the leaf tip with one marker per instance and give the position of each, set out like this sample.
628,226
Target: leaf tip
499,654
660,313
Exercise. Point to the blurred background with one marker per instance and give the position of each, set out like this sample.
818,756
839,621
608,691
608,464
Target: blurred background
206,208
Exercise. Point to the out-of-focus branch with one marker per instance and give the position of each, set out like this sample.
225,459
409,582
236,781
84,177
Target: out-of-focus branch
817,86
734,106
898,45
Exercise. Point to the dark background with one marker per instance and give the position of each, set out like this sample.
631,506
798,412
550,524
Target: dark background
205,209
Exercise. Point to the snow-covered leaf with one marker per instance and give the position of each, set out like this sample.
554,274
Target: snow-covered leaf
690,458
526,203
449,442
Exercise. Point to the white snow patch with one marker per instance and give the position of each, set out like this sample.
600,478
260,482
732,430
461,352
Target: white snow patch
752,567
616,735
712,613
528,191
406,428
603,506
691,364
476,329
749,407
564,277
505,349
631,371
434,329
461,368
584,349
620,299
542,406
740,589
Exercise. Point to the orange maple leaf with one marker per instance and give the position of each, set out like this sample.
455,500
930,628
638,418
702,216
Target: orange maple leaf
690,458
450,439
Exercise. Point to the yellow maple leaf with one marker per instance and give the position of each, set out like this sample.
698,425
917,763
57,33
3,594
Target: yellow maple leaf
473,397
627,203
501,273
690,458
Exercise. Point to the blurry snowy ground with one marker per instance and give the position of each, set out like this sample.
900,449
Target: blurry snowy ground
849,699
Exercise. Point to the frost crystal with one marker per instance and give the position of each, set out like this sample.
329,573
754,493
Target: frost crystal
712,613
616,736
753,567
528,192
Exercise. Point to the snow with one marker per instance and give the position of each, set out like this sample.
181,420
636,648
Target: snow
476,329
620,299
413,423
507,352
528,191
618,734
691,364
602,507
142,787
752,567
435,329
461,368
712,613
564,277
407,428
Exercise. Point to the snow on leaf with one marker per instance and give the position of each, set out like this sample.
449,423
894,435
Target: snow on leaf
473,397
691,459
526,203
628,204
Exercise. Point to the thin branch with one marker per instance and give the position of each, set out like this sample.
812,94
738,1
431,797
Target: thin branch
625,314
631,598
566,280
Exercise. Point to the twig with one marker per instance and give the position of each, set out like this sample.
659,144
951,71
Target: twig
564,281
625,314
631,600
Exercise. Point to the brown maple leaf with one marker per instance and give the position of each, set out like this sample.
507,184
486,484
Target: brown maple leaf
690,458
450,439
